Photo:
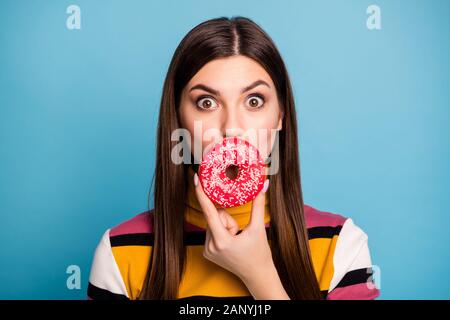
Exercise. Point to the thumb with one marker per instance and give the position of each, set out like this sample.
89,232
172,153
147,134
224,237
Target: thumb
210,212
228,221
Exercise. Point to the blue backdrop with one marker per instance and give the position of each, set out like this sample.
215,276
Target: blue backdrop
79,107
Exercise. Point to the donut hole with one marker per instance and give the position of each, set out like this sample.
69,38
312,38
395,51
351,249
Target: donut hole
232,171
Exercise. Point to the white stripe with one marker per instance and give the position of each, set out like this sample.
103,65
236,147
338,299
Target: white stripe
105,273
351,252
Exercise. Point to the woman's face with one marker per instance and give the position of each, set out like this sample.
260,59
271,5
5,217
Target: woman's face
231,96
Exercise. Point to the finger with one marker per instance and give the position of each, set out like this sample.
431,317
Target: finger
207,239
258,208
229,222
210,212
208,248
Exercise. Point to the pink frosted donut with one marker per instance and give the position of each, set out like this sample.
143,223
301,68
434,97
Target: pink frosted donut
232,173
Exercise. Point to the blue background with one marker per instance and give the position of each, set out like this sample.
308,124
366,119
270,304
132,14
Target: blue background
78,114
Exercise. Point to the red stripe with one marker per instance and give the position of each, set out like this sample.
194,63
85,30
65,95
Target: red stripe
360,291
317,218
142,223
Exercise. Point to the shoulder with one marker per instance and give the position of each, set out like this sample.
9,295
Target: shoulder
130,231
347,254
135,231
328,224
115,256
322,223
140,223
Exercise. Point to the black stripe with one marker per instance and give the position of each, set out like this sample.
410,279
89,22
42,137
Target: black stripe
97,293
132,239
197,238
355,277
192,238
200,297
323,232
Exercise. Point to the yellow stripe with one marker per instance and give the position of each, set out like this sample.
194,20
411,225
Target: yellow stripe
132,262
322,252
207,278
203,277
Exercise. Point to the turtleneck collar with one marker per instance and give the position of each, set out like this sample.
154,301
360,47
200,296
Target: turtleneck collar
194,214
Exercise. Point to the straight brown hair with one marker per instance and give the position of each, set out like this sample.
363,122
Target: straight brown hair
212,39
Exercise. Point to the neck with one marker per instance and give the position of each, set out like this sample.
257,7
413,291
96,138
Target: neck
194,213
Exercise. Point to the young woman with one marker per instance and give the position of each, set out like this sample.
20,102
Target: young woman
225,78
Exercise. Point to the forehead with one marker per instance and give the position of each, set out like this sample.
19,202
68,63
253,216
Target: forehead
230,73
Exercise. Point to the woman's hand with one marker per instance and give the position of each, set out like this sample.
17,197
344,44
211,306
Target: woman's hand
246,254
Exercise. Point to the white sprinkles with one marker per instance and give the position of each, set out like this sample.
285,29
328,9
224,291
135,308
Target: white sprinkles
228,192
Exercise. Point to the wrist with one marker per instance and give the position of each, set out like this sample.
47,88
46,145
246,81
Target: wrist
265,284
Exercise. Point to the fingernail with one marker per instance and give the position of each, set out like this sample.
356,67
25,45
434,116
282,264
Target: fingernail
266,186
195,179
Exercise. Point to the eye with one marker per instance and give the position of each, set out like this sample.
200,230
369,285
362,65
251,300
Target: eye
255,101
206,103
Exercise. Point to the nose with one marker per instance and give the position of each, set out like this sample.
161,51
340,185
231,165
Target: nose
231,123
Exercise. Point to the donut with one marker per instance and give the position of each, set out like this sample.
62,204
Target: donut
232,172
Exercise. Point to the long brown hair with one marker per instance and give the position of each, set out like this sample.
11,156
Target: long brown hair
218,38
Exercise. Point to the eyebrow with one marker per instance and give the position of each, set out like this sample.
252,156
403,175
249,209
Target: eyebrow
217,93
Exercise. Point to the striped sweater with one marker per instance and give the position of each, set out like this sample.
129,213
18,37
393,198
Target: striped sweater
339,251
